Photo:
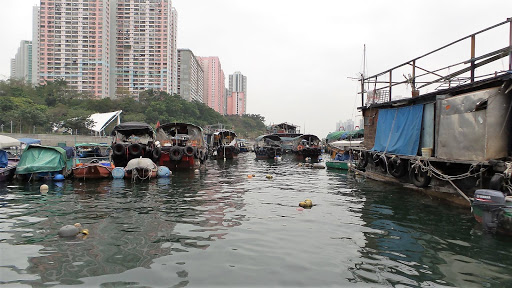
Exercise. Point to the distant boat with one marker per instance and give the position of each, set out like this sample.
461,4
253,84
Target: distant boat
268,146
182,145
342,157
243,145
307,145
224,145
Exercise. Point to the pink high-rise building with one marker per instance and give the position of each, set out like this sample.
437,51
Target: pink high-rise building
236,104
146,48
214,83
73,44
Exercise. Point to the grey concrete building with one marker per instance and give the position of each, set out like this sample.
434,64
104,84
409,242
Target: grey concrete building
190,76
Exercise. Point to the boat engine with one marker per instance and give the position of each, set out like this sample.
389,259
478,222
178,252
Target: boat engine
490,203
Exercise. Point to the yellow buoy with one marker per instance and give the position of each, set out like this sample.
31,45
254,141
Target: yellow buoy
85,231
43,188
269,176
306,203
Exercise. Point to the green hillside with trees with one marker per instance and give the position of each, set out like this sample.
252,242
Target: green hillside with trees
38,109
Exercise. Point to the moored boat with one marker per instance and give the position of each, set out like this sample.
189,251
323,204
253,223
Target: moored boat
225,145
140,169
7,164
43,162
307,145
452,143
243,145
92,161
268,147
182,145
133,140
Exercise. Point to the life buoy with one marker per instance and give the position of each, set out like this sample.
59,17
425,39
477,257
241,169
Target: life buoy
118,149
397,167
419,177
175,153
155,154
189,151
135,149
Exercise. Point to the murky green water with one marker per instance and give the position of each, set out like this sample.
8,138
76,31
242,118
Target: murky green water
220,228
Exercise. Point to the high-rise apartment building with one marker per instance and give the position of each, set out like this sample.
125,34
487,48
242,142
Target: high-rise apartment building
35,45
21,65
237,97
146,52
190,76
214,83
74,44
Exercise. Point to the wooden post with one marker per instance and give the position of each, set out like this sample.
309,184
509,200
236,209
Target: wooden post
472,57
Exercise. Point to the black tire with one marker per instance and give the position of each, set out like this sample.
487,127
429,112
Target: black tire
135,150
418,177
497,182
376,159
118,149
189,151
175,153
397,167
383,163
363,160
155,154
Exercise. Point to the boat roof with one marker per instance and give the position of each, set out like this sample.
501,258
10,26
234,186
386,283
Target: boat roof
39,158
137,128
29,141
92,145
6,142
167,126
270,136
306,136
225,133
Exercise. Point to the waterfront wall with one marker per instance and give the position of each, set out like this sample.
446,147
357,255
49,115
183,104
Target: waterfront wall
54,139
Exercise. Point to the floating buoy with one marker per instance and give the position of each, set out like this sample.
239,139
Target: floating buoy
306,203
58,177
163,172
72,230
249,176
269,176
43,188
118,173
318,166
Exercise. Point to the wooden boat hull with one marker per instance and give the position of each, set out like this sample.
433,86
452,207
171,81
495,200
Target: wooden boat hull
186,162
92,171
335,164
7,173
228,152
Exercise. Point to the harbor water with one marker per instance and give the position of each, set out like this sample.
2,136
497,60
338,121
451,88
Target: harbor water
221,227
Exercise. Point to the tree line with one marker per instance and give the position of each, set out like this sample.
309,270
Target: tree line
52,105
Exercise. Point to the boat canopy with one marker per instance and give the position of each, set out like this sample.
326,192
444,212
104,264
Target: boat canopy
29,141
225,133
86,145
133,128
169,133
340,135
269,137
37,158
6,142
141,163
308,139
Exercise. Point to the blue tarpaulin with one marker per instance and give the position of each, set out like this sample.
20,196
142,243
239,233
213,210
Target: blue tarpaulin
399,130
4,160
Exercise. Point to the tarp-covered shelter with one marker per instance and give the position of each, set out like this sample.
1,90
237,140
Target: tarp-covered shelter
37,158
399,130
6,142
102,120
4,159
135,128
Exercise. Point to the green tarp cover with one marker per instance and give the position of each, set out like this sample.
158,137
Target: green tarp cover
38,158
335,135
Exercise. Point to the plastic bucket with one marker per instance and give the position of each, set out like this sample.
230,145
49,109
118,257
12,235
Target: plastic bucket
426,152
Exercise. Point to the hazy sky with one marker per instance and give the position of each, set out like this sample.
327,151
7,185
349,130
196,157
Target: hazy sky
298,55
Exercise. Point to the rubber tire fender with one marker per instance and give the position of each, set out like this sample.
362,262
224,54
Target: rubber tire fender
189,151
383,163
363,155
175,153
496,182
155,154
397,167
135,150
118,149
418,177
